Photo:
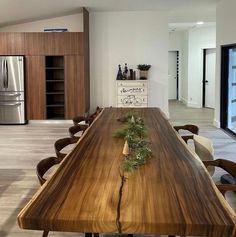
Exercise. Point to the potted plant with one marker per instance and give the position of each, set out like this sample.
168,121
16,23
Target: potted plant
143,71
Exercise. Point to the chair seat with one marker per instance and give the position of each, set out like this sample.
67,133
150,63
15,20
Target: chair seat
227,179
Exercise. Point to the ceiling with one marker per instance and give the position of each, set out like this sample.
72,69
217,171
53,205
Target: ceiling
18,11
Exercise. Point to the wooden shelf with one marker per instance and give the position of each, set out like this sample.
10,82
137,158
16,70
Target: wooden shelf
55,93
55,87
55,105
55,80
54,68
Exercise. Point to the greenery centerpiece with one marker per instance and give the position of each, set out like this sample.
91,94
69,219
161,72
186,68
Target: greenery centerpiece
136,149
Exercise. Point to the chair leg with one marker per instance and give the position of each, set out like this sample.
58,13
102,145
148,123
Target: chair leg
95,234
130,235
88,235
45,233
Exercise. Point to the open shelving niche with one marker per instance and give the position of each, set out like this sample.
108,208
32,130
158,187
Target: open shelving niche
55,99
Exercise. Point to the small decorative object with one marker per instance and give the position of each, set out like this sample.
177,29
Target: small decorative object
119,74
125,73
126,149
136,149
143,69
131,74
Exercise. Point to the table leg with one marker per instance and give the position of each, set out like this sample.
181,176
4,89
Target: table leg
88,235
45,233
95,234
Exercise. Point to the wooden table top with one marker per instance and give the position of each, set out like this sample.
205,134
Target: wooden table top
172,194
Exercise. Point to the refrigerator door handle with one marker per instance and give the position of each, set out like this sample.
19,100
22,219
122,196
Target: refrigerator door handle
4,73
10,104
11,94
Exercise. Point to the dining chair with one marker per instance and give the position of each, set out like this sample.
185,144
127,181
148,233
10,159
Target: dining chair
76,129
204,149
92,117
42,167
79,119
229,167
87,119
187,127
60,144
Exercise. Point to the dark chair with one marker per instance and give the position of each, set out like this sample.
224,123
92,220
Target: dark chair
79,119
42,167
77,128
62,143
228,166
188,127
87,119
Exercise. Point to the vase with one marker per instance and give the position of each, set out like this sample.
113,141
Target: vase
143,75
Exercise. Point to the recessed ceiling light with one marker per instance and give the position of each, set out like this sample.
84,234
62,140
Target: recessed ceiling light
200,22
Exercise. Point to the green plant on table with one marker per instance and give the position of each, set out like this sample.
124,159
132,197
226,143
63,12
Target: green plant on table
134,133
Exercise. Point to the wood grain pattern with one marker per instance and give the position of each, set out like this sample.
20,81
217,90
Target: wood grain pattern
35,87
11,43
53,43
74,86
172,194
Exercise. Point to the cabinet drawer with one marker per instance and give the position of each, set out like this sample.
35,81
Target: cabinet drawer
132,83
134,90
132,101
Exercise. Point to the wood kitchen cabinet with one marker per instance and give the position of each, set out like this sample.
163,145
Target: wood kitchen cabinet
11,43
74,86
53,91
54,43
35,87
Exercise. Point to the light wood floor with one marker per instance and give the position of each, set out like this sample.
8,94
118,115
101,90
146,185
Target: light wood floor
23,146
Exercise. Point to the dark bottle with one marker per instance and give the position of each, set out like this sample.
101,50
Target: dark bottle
131,74
119,74
125,74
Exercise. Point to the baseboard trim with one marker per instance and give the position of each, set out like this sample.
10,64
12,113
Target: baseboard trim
217,123
184,101
194,105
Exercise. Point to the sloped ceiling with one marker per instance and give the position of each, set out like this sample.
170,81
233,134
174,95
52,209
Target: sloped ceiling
18,11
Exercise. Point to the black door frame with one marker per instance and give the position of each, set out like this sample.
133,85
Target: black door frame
204,79
177,72
224,87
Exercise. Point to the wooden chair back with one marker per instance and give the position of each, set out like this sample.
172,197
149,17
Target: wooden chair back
188,127
228,166
77,128
62,143
204,149
43,166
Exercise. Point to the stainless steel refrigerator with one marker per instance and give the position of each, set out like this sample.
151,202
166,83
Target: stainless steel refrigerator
12,95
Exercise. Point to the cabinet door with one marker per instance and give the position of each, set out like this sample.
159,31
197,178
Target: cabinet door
11,43
35,87
54,43
34,43
74,86
67,43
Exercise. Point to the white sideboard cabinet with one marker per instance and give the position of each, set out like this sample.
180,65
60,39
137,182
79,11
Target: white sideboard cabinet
132,93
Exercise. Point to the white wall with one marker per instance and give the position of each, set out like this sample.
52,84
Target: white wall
133,38
225,34
199,39
178,41
74,23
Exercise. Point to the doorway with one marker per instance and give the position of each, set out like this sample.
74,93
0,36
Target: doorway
228,88
173,75
209,66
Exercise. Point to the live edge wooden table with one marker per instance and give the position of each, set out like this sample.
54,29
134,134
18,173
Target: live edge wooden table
170,195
